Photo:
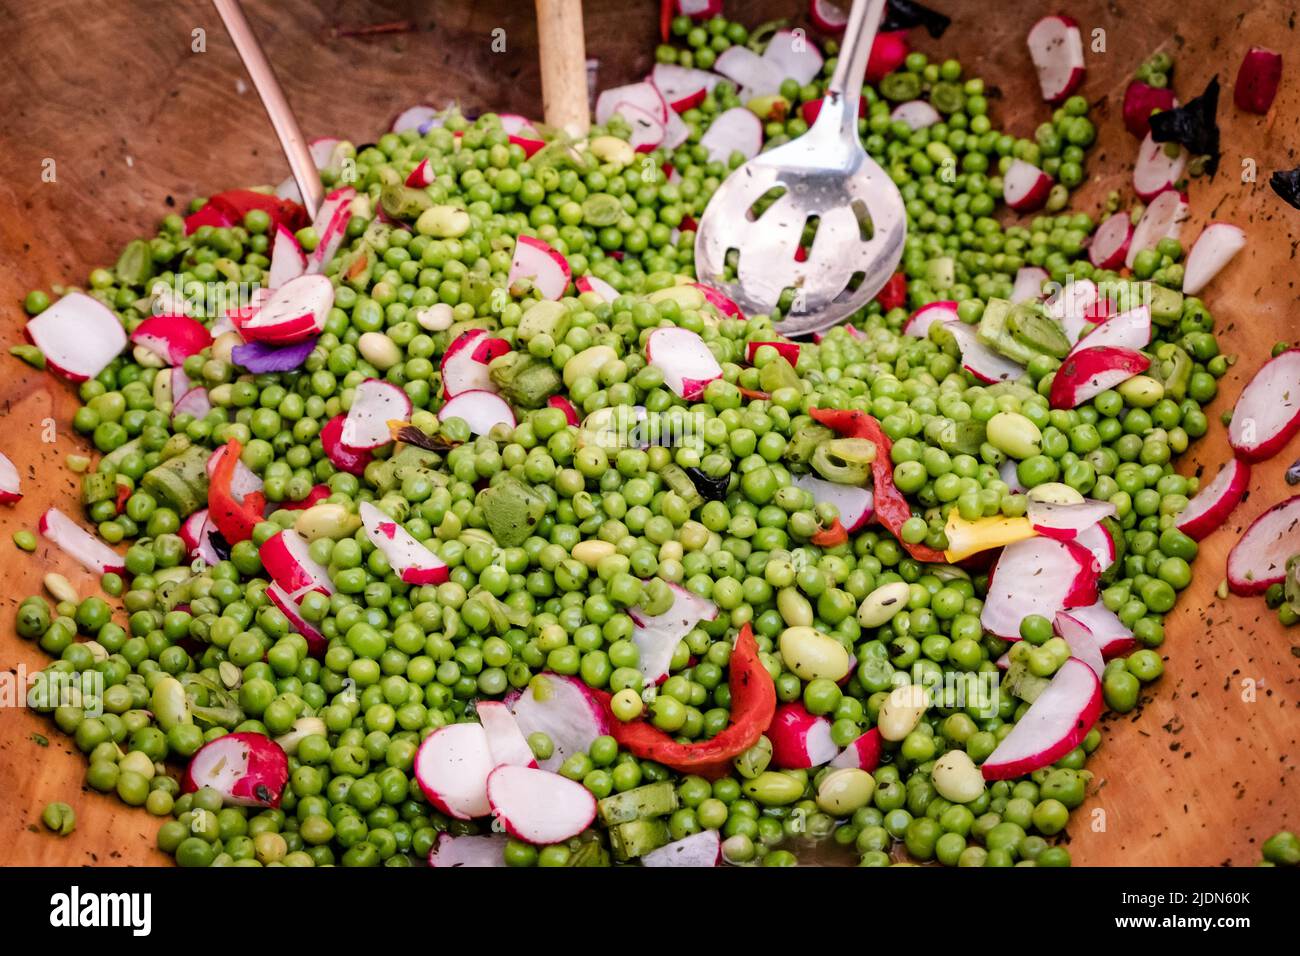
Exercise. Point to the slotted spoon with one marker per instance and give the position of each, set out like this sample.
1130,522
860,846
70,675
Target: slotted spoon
825,173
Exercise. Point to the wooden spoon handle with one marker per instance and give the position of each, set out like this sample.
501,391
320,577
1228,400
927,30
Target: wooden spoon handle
562,49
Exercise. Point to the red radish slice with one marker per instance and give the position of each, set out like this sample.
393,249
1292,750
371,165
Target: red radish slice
980,360
917,114
79,544
597,286
546,268
467,850
788,350
1025,187
538,806
924,317
1127,330
676,132
286,559
644,96
1004,662
245,480
794,55
452,768
480,410
563,404
1155,170
828,16
754,75
563,708
1259,559
1054,725
327,152
699,850
1071,305
173,338
317,643
412,561
1163,219
422,118
1029,284
1107,630
1140,101
862,754
78,336
856,504
196,531
1109,246
736,131
722,303
10,483
685,360
195,403
888,52
811,109
1067,521
1213,249
522,133
330,226
1257,80
1037,576
1099,543
1008,473
505,740
374,404
1085,375
288,261
699,9
656,636
341,456
294,312
463,369
648,130
1056,48
1267,413
799,739
682,87
422,175
1212,504
1084,646
247,769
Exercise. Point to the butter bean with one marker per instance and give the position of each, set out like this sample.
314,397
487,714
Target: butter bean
611,149
773,789
587,363
379,350
902,711
592,552
435,318
812,655
169,704
956,777
60,588
225,344
137,762
326,520
845,791
302,727
883,603
796,610
443,222
1141,390
1014,435
1055,493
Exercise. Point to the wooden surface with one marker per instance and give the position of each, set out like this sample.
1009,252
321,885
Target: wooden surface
136,121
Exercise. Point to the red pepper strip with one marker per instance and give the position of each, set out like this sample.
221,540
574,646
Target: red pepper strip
753,702
831,537
234,519
753,395
894,294
891,507
317,494
123,493
665,19
236,203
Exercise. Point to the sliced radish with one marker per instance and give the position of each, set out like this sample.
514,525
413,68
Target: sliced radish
1084,645
79,544
505,740
247,769
788,350
421,118
917,114
888,53
1267,413
196,531
288,261
675,134
657,636
1085,375
1107,630
1025,187
1029,284
1037,576
597,286
288,604
293,313
480,410
754,75
855,503
980,360
1109,246
1054,725
794,55
286,558
1213,249
244,482
452,768
862,754
1259,559
1155,170
924,317
195,403
544,267
1056,48
468,850
1099,543
698,849
684,359
828,16
722,303
566,710
737,130
1257,80
563,404
330,226
1140,101
412,562
648,130
173,338
799,739
465,363
374,404
699,9
422,175
1127,330
811,109
682,87
1067,521
78,336
643,96
522,133
1008,473
1163,219
1212,504
538,806
10,483
1072,306
341,456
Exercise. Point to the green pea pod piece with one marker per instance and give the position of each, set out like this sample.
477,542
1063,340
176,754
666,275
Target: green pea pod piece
804,443
404,202
846,461
29,354
135,264
170,706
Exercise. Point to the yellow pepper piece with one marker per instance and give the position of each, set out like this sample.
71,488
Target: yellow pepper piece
970,537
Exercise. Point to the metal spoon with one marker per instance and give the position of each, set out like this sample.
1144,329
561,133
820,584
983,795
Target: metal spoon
825,174
268,88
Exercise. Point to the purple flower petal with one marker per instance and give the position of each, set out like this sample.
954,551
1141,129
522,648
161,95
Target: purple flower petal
259,358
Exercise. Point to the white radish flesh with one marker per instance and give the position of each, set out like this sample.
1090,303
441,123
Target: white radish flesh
657,636
794,55
288,604
374,405
293,312
480,410
465,363
1267,413
1210,507
749,71
1025,187
1259,559
1029,284
698,849
800,740
1099,543
1109,632
452,768
643,96
10,482
1213,249
596,286
1163,219
330,225
1127,330
505,741
684,359
469,850
1155,170
286,558
288,261
545,268
1054,725
855,503
917,114
1056,48
563,708
411,561
538,806
79,544
980,360
78,336
1037,576
1067,521
682,87
737,130
1109,246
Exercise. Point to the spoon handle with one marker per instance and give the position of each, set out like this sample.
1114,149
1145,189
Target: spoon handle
268,88
859,36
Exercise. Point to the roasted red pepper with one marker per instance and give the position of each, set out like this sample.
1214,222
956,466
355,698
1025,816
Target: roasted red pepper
894,293
229,207
753,702
891,507
318,494
831,537
665,19
234,519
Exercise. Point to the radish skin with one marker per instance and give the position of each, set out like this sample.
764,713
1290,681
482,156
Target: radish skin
286,559
1259,559
1257,80
1086,374
1213,503
452,768
862,754
1109,246
79,544
1054,725
78,336
1056,48
919,324
538,806
1267,413
1155,170
1025,187
247,769
799,739
543,266
411,561
10,482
